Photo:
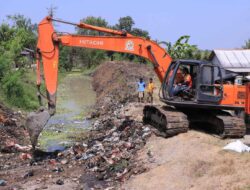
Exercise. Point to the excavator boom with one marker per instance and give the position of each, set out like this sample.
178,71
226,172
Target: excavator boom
48,51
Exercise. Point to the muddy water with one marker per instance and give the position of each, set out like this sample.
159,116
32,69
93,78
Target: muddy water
75,99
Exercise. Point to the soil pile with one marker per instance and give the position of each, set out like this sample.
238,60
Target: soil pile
193,160
115,83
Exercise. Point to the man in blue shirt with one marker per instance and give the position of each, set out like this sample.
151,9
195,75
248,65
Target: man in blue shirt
141,88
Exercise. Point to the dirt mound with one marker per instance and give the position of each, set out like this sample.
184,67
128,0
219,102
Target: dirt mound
115,83
12,130
193,160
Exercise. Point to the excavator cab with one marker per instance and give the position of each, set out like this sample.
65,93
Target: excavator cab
206,83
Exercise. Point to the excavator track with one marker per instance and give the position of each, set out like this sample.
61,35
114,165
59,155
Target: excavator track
233,127
167,120
226,126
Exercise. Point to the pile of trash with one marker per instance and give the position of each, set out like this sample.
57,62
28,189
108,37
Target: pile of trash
110,151
12,130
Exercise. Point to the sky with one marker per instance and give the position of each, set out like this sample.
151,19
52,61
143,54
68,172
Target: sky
212,24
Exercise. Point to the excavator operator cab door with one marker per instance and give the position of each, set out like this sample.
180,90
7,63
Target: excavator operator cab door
210,86
168,81
174,86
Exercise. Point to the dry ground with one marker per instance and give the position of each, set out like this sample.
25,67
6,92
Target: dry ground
193,160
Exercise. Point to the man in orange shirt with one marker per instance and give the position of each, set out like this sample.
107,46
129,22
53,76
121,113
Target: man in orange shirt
185,85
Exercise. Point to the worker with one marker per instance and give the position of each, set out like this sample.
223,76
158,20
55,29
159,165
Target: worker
150,90
141,88
179,78
185,85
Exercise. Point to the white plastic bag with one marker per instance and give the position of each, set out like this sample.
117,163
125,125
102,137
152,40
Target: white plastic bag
237,146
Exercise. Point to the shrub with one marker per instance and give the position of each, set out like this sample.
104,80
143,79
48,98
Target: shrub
16,93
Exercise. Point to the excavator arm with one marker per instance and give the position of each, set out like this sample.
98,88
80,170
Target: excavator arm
48,51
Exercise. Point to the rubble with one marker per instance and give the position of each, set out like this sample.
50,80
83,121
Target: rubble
28,174
11,146
25,156
21,148
59,182
12,131
117,133
110,150
64,161
2,182
57,169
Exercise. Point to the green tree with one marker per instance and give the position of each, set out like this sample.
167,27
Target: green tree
20,21
125,23
95,21
201,54
6,33
66,58
247,44
139,32
5,63
16,34
181,49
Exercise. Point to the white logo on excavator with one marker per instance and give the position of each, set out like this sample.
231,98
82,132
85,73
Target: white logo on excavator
129,45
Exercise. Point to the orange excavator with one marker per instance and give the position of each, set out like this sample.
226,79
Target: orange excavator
208,100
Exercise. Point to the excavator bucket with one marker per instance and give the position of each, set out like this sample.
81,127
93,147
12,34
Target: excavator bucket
35,123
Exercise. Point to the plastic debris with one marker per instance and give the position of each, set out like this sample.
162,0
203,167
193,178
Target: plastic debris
237,146
22,148
2,182
28,174
25,156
